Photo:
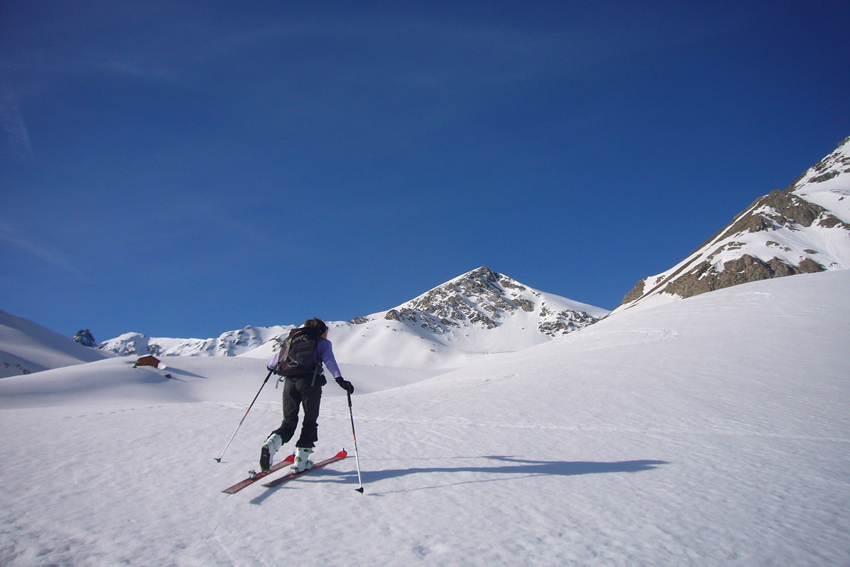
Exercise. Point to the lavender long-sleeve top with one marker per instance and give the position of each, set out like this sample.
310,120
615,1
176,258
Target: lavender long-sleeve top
326,353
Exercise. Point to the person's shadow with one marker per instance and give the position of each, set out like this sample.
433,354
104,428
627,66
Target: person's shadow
511,467
514,468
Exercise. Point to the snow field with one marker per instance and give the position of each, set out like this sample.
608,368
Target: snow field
709,431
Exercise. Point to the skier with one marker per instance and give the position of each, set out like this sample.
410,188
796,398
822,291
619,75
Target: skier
300,363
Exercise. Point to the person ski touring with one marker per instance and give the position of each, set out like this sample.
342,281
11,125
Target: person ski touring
299,362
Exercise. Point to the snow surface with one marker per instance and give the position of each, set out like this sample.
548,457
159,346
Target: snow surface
27,347
709,431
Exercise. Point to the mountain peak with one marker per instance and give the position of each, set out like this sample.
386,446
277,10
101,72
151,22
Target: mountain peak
85,338
480,311
835,164
802,229
485,299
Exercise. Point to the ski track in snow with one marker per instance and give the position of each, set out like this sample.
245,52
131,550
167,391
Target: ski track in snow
709,431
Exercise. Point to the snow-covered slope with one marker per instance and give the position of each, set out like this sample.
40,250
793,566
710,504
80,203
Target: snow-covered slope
26,347
484,310
480,312
803,229
708,431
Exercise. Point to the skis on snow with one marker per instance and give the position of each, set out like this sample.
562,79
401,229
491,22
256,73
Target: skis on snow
278,481
255,476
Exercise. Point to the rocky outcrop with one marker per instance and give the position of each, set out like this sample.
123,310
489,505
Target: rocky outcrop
705,277
802,229
636,292
85,338
486,299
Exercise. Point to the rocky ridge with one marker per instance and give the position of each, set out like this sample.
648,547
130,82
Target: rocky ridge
486,299
85,338
802,229
480,311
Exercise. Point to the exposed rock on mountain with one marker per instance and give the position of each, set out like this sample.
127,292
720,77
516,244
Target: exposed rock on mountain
485,299
479,312
85,338
803,229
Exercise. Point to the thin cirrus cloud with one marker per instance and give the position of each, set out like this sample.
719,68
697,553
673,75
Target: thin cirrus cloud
19,239
16,140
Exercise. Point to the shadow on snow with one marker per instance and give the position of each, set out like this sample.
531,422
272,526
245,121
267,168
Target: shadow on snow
516,468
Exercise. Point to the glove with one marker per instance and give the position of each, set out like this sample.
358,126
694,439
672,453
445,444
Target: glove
345,385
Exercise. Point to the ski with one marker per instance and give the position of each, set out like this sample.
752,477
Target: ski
255,476
278,481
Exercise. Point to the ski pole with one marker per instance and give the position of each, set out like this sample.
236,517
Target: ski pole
354,435
246,414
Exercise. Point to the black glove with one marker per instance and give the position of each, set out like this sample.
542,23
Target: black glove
345,385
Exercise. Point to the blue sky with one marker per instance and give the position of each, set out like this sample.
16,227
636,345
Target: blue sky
188,168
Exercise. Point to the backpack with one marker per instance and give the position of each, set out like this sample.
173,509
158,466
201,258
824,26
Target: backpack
299,353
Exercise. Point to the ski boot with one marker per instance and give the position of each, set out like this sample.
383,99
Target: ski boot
270,447
302,459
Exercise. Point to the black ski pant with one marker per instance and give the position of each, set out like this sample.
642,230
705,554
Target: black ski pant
298,392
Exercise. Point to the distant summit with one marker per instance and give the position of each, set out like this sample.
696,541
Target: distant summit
485,299
85,338
478,312
231,343
803,229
